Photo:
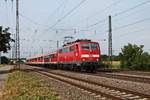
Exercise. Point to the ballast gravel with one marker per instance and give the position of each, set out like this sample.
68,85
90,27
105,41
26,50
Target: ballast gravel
124,84
69,92
66,91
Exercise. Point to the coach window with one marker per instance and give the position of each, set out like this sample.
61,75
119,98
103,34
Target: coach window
46,58
54,55
67,49
60,51
49,56
64,50
72,48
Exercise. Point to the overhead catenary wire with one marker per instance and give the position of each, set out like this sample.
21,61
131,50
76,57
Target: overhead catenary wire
45,22
56,10
64,7
130,24
96,23
7,11
132,8
63,17
136,31
120,13
104,9
30,20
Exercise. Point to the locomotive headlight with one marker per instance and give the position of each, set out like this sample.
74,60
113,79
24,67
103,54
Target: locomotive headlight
76,54
97,59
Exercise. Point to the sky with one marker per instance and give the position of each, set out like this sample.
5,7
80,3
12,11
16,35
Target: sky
43,22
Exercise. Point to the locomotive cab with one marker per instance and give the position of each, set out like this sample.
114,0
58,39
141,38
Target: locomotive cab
87,55
89,52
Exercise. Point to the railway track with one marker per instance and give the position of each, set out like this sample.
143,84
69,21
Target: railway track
136,73
128,77
99,90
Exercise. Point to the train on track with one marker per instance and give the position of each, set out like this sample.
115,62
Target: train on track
79,55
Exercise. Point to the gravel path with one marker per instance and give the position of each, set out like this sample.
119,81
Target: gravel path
3,74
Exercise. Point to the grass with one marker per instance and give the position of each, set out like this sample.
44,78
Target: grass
115,64
2,65
24,86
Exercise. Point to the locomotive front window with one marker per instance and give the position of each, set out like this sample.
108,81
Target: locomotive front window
85,46
90,46
94,46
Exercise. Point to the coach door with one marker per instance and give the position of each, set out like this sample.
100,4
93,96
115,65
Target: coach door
77,53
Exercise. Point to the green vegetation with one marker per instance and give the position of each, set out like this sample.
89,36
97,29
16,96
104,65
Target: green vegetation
5,60
133,57
115,63
25,86
1,65
5,40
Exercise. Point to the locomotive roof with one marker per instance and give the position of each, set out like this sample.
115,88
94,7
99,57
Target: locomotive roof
79,40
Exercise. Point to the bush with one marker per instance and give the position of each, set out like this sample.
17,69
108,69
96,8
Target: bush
4,60
133,57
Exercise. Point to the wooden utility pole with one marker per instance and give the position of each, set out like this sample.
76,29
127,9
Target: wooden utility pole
110,42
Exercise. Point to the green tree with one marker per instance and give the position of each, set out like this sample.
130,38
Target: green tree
133,57
5,40
104,57
4,60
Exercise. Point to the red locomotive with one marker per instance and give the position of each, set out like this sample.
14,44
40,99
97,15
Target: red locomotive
82,55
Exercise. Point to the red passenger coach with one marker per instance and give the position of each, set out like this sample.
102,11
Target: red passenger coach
51,60
36,60
82,55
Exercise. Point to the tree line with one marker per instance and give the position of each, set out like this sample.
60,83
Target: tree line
5,40
131,57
